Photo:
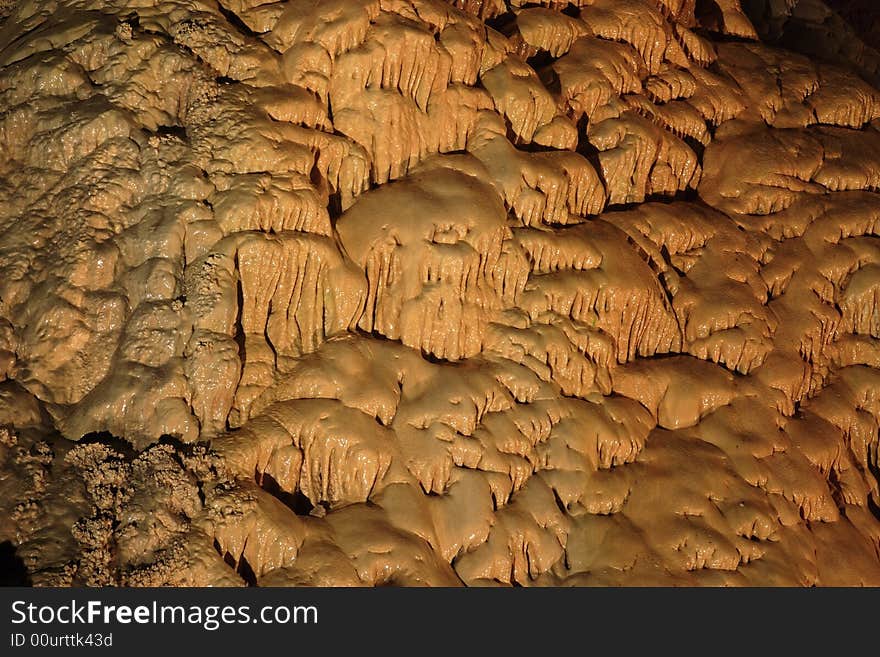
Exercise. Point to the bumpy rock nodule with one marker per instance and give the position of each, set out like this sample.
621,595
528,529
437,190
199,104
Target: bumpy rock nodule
419,292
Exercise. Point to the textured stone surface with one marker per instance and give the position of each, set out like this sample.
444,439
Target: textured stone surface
363,292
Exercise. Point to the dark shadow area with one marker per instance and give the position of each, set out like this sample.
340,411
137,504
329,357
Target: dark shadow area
12,569
848,36
107,439
504,23
172,131
709,15
237,23
247,573
242,567
296,501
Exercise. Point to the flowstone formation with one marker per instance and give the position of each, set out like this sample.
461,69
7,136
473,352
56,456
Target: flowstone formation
365,292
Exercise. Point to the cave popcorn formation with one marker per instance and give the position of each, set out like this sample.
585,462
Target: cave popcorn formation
363,292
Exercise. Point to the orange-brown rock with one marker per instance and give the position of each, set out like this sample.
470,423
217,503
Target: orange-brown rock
427,292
